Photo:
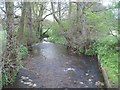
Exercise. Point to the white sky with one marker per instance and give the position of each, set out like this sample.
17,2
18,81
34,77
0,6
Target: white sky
106,2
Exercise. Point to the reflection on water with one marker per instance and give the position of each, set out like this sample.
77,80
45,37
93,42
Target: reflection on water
45,40
69,69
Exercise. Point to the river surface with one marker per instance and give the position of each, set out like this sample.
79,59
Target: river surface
54,66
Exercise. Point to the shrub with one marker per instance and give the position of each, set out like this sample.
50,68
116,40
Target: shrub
22,52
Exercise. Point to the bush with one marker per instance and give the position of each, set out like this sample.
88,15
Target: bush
92,50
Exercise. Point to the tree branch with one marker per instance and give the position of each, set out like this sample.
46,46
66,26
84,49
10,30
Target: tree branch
3,10
46,30
51,14
104,9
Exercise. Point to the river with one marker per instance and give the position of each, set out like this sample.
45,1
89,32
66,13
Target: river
54,66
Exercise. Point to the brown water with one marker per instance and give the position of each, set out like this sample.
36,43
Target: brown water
54,66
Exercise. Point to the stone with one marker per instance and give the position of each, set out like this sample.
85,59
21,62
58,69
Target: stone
86,74
30,80
81,82
27,83
89,80
34,85
22,81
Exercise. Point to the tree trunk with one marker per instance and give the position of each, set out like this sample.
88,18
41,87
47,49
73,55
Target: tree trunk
29,24
78,16
21,25
11,39
83,21
59,10
58,21
84,26
10,53
39,24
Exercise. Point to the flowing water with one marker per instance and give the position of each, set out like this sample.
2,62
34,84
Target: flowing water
54,66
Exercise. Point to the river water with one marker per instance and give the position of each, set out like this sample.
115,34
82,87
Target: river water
54,66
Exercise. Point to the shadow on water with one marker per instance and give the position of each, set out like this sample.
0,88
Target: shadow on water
54,66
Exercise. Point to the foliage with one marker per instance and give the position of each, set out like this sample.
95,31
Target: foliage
103,21
23,51
92,50
56,39
25,36
9,75
54,29
109,57
101,43
104,47
10,69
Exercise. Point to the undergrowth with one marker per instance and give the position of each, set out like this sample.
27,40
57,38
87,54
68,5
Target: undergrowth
10,70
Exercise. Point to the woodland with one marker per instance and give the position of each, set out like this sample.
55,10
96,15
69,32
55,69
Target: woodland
87,28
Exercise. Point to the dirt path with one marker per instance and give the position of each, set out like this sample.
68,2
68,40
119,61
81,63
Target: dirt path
53,66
